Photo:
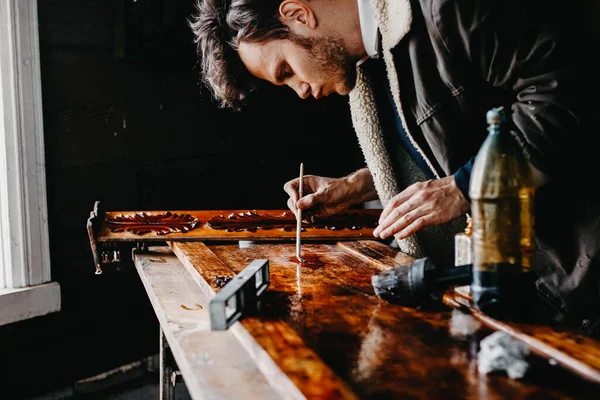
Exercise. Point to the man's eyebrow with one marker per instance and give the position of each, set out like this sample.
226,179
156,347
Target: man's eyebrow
276,72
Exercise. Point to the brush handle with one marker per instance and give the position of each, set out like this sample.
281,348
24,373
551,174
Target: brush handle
299,214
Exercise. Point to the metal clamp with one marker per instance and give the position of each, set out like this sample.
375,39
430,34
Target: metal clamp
239,296
104,252
92,232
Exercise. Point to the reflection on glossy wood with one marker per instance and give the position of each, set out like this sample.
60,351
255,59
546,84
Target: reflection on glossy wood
263,225
380,350
568,348
564,345
377,255
287,363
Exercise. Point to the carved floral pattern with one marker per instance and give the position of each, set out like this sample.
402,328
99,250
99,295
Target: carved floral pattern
140,223
252,221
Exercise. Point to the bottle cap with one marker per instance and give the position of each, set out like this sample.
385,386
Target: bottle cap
495,116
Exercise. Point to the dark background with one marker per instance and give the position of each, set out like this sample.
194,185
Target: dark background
126,123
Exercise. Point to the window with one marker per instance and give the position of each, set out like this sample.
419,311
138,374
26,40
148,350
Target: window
25,287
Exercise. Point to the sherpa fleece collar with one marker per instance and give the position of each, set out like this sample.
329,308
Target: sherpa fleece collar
394,18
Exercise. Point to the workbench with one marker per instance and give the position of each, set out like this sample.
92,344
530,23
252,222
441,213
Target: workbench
323,334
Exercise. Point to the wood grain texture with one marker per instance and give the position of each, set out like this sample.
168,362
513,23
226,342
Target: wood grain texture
346,225
377,255
380,350
213,364
570,349
290,366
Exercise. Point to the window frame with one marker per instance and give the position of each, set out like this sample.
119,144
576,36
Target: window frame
26,289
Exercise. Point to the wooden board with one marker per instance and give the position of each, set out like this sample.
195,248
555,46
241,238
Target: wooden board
566,347
326,331
562,345
195,225
213,364
288,363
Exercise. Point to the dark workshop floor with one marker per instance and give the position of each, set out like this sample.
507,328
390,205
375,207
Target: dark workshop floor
143,387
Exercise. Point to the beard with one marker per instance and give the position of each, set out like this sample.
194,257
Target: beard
333,59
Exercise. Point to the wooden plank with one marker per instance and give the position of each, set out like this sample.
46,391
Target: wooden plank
280,353
379,350
213,364
273,225
571,350
377,255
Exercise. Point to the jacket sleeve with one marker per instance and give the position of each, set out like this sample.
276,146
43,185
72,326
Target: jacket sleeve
462,177
520,49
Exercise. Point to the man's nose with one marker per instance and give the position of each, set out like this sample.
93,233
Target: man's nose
303,90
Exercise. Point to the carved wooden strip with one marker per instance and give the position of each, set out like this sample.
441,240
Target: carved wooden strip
202,230
214,365
573,351
289,365
159,223
254,220
378,255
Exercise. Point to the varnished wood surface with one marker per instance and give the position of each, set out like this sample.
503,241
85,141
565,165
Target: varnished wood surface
379,350
202,231
565,346
289,365
214,365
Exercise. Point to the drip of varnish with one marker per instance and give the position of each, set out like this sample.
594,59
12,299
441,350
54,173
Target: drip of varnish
308,260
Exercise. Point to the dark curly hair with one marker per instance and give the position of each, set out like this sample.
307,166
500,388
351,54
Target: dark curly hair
219,26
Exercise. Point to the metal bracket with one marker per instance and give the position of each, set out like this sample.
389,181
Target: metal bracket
92,229
105,252
240,296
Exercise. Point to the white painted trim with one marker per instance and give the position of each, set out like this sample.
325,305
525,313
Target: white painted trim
24,248
24,303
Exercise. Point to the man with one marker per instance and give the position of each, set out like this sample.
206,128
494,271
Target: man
420,76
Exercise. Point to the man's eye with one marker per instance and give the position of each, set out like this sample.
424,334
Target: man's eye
286,72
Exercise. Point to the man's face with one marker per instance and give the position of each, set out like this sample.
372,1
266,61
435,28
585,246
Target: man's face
314,66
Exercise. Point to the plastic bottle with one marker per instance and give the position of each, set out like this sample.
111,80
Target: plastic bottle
502,194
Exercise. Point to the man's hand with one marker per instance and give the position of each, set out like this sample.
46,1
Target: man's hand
325,196
422,204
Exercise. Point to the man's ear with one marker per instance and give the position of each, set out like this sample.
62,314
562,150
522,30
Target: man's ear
297,12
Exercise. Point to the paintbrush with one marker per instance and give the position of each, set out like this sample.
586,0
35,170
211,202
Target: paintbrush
299,216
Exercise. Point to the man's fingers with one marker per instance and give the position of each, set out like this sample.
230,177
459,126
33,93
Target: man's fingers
397,201
398,213
386,211
415,226
394,215
391,227
292,206
291,188
307,201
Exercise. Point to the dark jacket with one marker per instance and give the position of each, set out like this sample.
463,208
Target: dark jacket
450,62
